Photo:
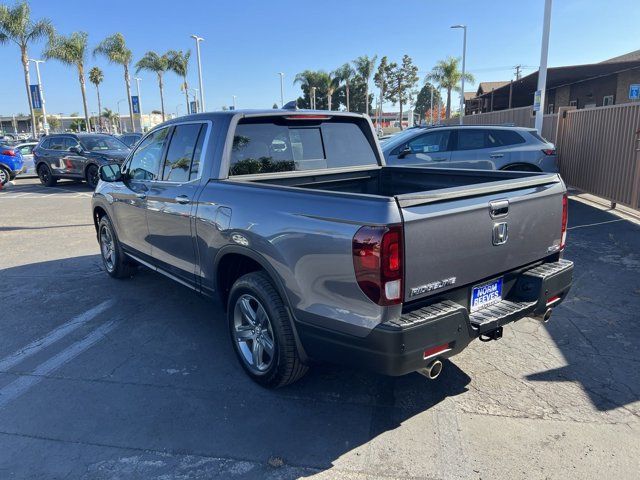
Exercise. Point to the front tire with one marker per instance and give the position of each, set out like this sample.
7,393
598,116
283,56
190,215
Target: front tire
113,258
261,332
46,177
92,176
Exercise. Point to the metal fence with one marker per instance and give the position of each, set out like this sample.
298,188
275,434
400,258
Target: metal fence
599,151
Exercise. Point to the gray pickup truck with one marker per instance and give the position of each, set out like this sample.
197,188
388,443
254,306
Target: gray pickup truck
320,252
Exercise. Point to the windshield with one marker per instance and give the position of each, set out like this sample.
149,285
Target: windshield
100,143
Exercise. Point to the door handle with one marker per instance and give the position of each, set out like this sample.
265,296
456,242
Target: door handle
141,196
182,199
496,155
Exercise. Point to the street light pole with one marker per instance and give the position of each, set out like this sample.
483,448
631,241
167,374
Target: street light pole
542,73
464,58
281,89
198,40
45,124
313,98
119,119
234,102
138,80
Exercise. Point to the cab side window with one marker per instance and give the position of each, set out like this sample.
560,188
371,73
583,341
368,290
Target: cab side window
145,162
183,154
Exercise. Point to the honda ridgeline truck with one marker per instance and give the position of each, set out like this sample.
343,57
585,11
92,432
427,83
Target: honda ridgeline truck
320,252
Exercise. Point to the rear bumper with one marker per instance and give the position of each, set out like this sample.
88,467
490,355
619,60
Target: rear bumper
398,347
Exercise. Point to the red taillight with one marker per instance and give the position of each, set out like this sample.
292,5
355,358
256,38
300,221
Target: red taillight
565,219
377,260
549,151
10,153
308,116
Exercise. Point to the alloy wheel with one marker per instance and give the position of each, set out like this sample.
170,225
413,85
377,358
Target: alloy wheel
107,248
253,333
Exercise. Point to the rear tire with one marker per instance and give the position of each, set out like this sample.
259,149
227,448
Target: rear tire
113,258
261,332
92,176
5,175
46,177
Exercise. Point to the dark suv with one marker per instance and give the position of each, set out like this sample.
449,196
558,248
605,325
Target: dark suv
76,156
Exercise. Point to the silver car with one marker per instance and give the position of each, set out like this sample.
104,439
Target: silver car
487,147
26,149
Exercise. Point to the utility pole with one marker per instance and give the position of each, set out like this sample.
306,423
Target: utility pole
45,124
542,73
198,40
518,71
281,89
510,92
138,80
464,55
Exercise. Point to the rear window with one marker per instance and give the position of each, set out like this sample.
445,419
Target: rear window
276,144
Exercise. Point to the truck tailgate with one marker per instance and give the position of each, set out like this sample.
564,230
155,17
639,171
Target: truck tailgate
455,237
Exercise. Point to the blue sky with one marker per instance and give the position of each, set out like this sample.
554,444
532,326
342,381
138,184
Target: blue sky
248,41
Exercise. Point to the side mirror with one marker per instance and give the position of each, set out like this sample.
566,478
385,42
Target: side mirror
75,149
110,173
404,152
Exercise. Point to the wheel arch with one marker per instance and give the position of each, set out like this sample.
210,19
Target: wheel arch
528,167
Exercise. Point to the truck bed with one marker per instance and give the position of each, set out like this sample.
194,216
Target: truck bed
410,185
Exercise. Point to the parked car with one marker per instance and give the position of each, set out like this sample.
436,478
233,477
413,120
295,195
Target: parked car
76,156
26,150
11,163
318,251
129,139
487,147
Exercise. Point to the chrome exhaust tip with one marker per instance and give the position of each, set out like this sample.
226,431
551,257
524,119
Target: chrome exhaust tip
544,318
432,371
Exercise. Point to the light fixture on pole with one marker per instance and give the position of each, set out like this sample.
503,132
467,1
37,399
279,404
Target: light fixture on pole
538,104
464,58
45,124
281,89
138,80
198,40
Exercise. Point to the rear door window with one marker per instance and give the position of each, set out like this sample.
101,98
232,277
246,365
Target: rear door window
280,145
507,137
57,143
471,139
178,165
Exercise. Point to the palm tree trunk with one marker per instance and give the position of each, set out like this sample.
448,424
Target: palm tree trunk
448,110
127,82
99,108
400,102
328,101
186,94
83,89
27,82
160,84
347,87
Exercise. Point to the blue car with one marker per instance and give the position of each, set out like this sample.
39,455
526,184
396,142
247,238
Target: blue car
11,163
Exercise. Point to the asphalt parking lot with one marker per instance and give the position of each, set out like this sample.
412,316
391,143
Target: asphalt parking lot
102,378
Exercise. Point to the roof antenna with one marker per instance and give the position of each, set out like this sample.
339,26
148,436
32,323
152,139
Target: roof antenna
292,105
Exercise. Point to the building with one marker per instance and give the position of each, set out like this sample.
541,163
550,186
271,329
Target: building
67,123
581,86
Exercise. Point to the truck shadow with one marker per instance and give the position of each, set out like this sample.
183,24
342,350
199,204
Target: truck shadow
596,328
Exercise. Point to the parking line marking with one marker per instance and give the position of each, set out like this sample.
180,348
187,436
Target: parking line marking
53,336
19,386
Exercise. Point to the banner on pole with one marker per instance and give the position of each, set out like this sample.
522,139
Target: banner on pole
36,98
135,103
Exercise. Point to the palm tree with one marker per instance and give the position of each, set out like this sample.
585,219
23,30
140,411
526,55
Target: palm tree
110,116
16,26
179,64
447,75
115,50
96,77
364,66
329,84
153,62
71,51
345,74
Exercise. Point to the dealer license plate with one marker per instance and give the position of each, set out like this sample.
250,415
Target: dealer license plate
486,294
